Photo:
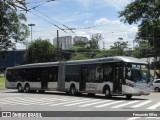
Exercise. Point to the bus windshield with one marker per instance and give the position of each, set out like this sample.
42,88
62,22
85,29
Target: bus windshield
137,72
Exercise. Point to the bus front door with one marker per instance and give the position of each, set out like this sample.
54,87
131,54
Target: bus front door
44,79
83,79
117,83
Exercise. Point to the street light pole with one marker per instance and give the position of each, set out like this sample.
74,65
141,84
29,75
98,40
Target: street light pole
31,25
58,45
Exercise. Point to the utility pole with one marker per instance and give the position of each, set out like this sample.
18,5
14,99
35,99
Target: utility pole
31,25
103,45
57,45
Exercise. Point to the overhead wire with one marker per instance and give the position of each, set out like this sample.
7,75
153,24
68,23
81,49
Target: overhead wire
71,29
55,20
34,8
48,22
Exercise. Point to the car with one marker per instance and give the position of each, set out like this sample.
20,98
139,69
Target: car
156,86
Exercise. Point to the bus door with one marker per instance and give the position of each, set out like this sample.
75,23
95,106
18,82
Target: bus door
44,79
83,79
117,83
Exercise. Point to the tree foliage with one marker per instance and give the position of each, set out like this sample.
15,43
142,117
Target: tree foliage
142,49
79,56
86,50
12,27
40,51
93,43
119,47
81,44
145,10
147,14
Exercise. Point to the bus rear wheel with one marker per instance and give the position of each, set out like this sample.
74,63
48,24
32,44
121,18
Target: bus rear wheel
107,92
128,96
27,88
20,88
41,91
73,90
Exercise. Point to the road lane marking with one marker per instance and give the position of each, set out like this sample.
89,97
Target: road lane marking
133,118
121,105
141,104
28,101
154,106
81,102
85,105
107,104
68,102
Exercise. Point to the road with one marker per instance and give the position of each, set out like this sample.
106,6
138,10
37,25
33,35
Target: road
11,100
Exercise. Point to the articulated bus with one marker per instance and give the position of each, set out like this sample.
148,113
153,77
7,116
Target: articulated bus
111,76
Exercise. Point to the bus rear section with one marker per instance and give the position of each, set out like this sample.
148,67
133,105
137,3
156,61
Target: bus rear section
32,78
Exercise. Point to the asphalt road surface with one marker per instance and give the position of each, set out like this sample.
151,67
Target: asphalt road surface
60,105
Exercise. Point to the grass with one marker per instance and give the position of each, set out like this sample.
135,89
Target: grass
2,83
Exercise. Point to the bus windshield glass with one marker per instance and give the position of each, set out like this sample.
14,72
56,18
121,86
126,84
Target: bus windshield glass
137,72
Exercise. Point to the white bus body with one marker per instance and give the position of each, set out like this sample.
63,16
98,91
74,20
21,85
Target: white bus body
110,76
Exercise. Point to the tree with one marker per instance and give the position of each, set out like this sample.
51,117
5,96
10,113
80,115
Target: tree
119,47
141,10
20,4
146,13
86,50
12,27
142,49
93,43
40,51
79,56
81,44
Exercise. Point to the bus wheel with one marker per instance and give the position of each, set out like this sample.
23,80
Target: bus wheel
156,89
128,96
107,92
73,90
20,88
41,91
27,88
91,94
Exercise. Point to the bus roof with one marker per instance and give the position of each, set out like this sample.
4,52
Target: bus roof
109,60
89,61
36,65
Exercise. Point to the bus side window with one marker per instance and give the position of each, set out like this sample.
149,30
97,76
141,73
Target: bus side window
19,75
72,73
52,75
108,73
91,73
14,74
128,73
99,73
9,76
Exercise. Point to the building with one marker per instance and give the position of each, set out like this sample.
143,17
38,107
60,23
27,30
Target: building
64,42
11,59
79,38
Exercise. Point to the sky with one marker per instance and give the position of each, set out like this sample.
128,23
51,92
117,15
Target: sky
86,17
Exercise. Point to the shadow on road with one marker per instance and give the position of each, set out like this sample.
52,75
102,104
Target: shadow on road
97,96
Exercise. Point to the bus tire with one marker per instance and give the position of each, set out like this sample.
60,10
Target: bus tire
107,92
27,88
91,94
41,91
73,90
20,88
128,97
67,93
156,89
